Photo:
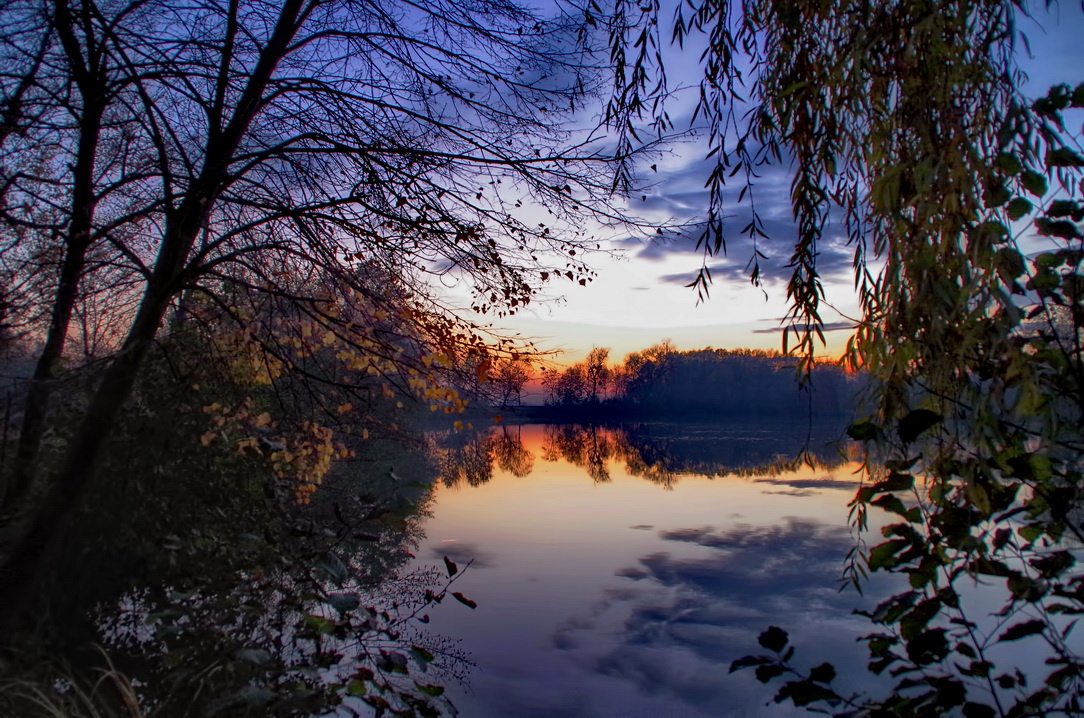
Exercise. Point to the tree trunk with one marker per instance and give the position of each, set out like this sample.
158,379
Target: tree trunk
36,406
92,90
22,574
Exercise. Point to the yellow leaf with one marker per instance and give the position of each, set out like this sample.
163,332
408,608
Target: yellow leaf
262,420
207,438
458,425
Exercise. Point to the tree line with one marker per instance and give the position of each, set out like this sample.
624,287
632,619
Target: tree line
702,383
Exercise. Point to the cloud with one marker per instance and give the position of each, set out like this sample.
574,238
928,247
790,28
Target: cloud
681,195
827,326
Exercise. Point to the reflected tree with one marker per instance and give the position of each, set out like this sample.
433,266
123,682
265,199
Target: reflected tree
510,453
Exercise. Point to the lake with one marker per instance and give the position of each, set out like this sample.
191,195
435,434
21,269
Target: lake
619,571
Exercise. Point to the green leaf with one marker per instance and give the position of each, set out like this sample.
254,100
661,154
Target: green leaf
1034,182
464,600
896,482
1008,163
1026,588
319,624
774,639
996,195
1022,630
1061,228
891,503
916,422
1041,467
916,620
1053,564
1066,208
884,555
356,687
430,689
1030,532
1018,207
1063,157
421,654
862,431
892,608
989,233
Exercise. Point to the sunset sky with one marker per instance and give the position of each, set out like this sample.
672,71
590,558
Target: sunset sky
639,297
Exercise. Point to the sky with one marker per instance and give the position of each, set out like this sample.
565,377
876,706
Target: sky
639,297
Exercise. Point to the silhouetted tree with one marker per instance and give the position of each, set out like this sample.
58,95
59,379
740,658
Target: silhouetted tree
234,146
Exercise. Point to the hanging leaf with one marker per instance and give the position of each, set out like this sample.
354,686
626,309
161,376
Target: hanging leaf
464,600
1018,208
918,421
767,672
774,639
1022,630
449,564
1034,183
862,431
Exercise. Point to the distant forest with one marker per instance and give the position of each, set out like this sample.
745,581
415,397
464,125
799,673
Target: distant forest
662,381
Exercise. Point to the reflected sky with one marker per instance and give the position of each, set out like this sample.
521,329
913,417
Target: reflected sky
605,591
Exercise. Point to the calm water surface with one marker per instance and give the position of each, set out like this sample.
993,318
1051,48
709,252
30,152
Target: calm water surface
619,571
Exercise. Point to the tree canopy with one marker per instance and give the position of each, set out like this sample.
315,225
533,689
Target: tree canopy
904,123
336,163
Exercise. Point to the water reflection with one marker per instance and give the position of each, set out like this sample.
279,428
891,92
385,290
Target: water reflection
660,453
629,565
470,457
699,612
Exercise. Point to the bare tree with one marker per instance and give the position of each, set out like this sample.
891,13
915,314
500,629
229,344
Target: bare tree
215,147
509,378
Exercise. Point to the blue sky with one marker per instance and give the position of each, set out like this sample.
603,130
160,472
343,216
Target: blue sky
639,297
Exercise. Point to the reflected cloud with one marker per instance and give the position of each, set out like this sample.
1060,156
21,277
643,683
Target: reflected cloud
683,618
824,482
462,552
